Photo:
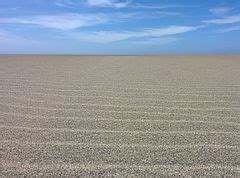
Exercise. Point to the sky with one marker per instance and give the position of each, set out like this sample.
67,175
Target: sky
124,27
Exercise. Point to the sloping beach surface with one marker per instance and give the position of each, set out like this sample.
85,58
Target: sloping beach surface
120,115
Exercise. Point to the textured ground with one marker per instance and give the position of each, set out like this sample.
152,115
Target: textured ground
168,115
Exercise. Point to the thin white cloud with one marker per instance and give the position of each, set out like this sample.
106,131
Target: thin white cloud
62,22
12,9
112,36
129,4
64,3
155,41
12,39
220,10
3,34
108,3
163,6
157,14
115,4
70,21
6,37
226,20
93,3
165,13
230,29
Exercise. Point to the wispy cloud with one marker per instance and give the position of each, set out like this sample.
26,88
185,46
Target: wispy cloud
62,22
220,10
154,41
9,38
72,21
158,6
229,29
11,9
108,3
157,14
116,4
6,37
112,36
3,34
64,3
226,20
93,3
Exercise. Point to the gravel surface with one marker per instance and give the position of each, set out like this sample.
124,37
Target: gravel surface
120,116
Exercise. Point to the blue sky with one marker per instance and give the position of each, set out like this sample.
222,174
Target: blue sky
119,27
